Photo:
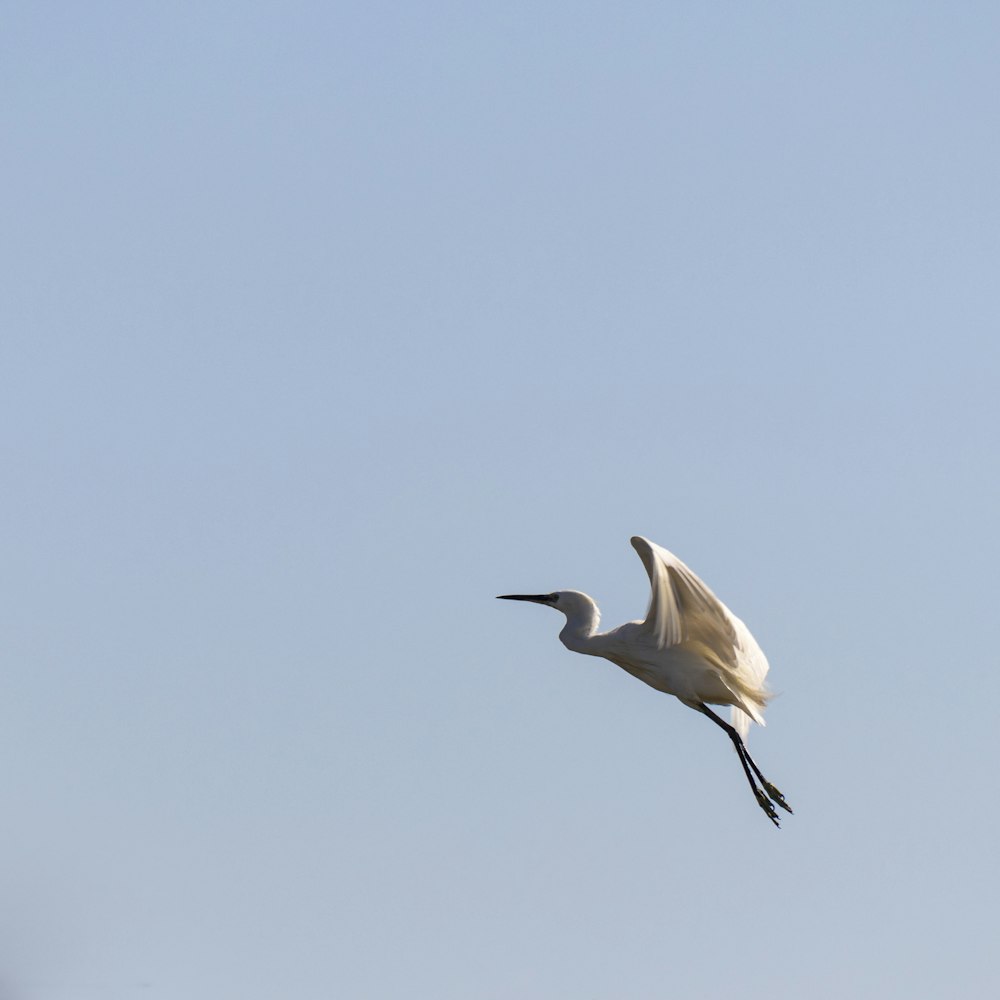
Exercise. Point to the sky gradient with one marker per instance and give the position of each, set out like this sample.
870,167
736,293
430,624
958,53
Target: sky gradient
322,324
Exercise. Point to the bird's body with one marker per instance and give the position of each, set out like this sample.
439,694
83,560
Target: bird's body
689,645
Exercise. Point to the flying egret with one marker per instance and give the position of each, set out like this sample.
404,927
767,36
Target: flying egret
690,645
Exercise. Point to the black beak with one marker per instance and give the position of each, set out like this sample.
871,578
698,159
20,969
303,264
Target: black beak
536,598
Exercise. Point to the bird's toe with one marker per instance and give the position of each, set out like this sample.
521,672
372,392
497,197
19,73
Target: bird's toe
768,806
776,796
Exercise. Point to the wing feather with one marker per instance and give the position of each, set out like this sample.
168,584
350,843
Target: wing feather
681,606
683,611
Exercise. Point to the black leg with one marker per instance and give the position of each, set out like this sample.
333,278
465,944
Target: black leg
767,792
771,790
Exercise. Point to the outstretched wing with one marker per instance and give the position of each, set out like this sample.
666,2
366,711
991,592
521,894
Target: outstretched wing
681,607
682,610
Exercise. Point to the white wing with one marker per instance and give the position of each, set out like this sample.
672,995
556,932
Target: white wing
684,611
681,607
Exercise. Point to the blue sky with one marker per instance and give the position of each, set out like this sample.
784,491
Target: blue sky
325,323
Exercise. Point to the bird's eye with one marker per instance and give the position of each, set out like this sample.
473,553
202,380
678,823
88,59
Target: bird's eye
554,598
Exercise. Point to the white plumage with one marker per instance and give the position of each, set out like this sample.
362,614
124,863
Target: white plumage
689,645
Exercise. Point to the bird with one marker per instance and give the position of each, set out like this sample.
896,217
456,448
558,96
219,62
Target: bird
689,645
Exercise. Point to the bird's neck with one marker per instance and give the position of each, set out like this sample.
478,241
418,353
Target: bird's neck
578,633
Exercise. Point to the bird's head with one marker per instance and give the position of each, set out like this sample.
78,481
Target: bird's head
570,602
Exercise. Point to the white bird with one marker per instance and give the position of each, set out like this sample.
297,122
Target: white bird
690,645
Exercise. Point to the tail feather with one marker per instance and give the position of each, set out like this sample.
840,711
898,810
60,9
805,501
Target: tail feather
741,722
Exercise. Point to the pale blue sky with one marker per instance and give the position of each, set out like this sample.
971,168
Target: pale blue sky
322,324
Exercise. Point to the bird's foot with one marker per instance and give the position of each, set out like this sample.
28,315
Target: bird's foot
778,798
768,806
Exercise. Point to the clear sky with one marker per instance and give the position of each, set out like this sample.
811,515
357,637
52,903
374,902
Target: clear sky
321,324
